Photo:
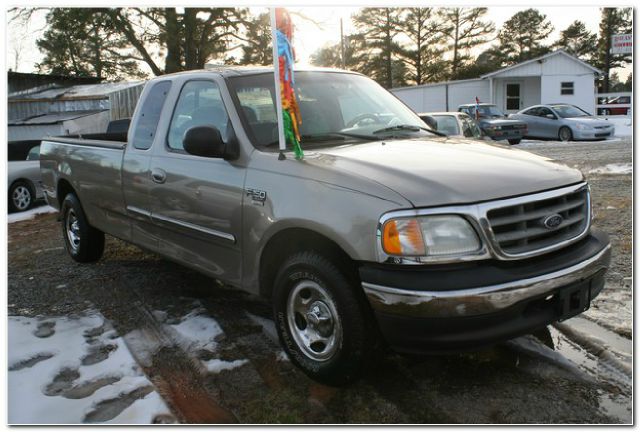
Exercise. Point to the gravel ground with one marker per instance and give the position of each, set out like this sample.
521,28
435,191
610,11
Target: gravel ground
243,376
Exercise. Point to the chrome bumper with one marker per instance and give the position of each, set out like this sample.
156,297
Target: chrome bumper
481,300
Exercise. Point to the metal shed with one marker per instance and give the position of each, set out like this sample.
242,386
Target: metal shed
56,110
54,124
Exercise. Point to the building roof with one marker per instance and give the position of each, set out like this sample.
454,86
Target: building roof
52,118
437,84
540,58
76,92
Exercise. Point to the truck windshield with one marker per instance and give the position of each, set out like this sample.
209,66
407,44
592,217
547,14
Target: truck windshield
488,111
334,108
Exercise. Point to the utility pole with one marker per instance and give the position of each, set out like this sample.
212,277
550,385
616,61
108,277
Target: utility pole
342,60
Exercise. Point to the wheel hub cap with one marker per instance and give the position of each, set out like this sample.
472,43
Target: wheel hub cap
313,321
73,230
21,197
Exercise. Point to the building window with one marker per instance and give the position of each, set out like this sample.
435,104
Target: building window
566,88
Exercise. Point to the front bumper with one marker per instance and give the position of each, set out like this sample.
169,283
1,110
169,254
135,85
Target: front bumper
594,134
454,308
498,135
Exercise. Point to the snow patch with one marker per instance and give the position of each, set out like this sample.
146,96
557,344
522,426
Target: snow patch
199,331
217,365
30,214
623,124
68,386
615,168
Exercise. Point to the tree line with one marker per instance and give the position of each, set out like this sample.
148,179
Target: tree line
412,46
394,46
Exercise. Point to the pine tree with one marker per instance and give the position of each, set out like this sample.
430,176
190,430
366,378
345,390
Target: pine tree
329,54
378,50
522,36
578,41
257,49
84,42
464,28
613,21
422,55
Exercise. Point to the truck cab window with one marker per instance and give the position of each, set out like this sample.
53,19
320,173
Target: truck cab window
200,104
150,115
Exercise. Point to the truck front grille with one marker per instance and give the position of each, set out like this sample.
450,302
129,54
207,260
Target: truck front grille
538,224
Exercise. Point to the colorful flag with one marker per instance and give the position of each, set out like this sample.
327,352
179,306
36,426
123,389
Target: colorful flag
283,59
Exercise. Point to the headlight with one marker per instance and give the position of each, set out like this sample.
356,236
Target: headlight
583,127
429,236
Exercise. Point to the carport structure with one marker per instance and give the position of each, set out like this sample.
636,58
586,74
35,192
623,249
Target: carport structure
557,77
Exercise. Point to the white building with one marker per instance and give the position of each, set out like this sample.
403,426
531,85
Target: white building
551,78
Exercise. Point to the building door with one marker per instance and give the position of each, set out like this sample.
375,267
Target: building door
513,99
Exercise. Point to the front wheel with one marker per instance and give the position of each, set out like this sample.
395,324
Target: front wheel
21,196
83,242
564,134
514,141
325,327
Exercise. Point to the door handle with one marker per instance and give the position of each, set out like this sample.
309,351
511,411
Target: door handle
158,175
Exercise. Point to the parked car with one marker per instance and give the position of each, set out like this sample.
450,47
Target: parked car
24,180
564,122
614,110
494,122
384,229
452,124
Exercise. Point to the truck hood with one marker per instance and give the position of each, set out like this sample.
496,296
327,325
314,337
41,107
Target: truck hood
447,171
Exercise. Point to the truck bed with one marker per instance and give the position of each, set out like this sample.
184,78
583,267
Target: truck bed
92,165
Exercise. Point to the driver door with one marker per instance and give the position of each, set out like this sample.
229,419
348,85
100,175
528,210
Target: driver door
196,201
547,127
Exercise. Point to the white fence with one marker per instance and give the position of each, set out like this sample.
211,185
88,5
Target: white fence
613,103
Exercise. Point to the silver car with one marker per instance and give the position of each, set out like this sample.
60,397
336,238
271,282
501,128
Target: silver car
452,124
564,122
25,183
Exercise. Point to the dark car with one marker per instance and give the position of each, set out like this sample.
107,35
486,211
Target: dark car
494,122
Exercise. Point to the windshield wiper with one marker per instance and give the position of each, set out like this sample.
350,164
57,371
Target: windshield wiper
332,136
412,128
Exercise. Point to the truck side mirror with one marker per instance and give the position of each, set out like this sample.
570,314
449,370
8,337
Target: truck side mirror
204,141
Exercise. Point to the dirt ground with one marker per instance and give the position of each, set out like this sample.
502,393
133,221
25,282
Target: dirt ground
145,298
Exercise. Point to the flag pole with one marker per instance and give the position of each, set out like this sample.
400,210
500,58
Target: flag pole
276,77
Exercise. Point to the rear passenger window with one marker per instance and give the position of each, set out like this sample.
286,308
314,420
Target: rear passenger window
199,104
150,115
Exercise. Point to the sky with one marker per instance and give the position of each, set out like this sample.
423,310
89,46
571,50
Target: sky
309,36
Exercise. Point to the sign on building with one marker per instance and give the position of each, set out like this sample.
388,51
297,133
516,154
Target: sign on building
621,44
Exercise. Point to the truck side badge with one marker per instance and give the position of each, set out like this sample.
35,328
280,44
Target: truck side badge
257,196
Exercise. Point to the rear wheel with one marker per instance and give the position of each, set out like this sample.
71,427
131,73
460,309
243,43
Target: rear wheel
83,242
514,141
21,196
564,134
324,325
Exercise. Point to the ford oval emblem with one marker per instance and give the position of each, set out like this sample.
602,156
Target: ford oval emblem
552,221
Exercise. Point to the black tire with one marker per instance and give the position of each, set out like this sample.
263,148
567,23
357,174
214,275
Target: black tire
21,196
353,348
515,141
565,134
83,242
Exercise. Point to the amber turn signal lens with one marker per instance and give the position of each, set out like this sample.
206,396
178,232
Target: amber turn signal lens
403,237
